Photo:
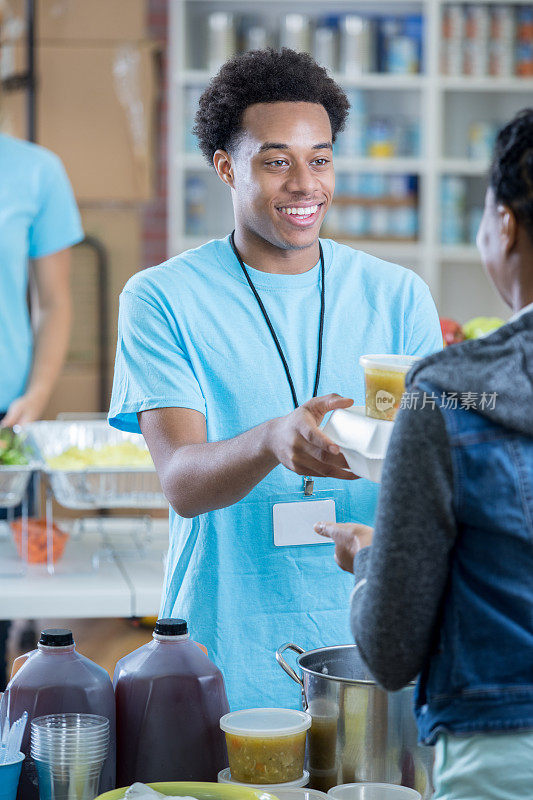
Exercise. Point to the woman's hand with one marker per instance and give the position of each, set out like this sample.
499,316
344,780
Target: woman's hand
349,538
26,408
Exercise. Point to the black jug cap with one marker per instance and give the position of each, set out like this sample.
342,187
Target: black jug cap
171,627
56,637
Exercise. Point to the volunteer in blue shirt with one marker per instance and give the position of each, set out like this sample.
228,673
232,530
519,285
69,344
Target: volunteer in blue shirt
39,220
229,356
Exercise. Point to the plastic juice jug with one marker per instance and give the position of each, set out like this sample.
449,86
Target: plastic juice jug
169,698
56,679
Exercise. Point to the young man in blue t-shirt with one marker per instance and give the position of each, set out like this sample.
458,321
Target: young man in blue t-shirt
229,357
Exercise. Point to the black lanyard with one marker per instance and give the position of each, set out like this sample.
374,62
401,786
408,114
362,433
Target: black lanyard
273,332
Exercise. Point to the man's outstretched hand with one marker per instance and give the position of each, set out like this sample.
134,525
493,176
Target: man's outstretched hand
298,443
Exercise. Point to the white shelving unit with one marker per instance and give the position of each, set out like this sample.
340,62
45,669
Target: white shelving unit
446,106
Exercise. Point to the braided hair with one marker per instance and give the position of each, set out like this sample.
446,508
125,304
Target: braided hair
511,175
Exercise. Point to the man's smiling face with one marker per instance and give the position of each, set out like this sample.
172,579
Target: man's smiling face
283,172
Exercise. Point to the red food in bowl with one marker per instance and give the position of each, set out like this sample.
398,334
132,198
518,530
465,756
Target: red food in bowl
37,541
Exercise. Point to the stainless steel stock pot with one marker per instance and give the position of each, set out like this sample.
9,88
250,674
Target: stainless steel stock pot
359,731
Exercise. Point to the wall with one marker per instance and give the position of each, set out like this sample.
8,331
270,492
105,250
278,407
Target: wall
154,240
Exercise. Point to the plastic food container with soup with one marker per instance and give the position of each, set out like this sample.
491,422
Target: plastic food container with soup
266,745
385,383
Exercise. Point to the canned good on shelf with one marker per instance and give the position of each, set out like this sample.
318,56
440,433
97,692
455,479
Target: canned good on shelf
357,45
295,32
221,39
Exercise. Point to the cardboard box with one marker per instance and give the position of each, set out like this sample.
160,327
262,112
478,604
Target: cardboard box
96,111
13,59
75,391
119,230
13,114
77,21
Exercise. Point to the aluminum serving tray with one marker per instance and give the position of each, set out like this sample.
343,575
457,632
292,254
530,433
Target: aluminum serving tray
93,488
14,483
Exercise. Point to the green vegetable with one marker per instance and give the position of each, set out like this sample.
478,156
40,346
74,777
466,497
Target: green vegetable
13,452
481,326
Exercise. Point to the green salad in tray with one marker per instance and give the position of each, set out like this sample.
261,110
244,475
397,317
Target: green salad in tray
13,451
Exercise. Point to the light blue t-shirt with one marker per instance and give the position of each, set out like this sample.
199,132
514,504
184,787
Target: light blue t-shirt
484,766
191,335
38,216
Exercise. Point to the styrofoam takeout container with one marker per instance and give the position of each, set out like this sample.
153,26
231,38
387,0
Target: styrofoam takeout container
363,440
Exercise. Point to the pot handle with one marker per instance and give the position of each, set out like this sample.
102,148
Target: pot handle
283,664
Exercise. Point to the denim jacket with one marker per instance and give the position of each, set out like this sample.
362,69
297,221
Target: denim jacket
478,678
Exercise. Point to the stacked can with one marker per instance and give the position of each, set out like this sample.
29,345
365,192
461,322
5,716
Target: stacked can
358,51
479,40
361,214
478,27
454,32
254,35
453,206
503,37
325,44
295,32
352,140
400,48
524,47
221,39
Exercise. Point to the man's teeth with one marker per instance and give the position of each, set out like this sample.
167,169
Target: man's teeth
301,212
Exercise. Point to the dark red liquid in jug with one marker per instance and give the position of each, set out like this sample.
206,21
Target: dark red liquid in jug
55,679
169,699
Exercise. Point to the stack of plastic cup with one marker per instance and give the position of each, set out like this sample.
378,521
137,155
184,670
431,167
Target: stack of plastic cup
69,751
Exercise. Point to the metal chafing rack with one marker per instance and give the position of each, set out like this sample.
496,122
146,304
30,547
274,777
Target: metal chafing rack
14,480
95,488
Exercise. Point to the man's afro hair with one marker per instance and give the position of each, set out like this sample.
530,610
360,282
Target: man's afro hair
263,76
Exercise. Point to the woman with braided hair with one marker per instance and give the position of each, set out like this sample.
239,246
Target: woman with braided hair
445,591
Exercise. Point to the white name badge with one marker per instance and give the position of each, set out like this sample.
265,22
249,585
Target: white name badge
293,522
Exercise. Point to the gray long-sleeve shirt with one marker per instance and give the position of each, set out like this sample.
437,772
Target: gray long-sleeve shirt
399,581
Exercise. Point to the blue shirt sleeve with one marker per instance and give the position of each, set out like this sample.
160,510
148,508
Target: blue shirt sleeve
423,331
152,368
57,224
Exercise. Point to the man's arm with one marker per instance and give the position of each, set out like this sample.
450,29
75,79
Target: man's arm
199,476
52,277
400,580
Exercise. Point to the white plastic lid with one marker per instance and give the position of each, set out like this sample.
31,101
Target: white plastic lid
373,791
390,363
303,793
265,722
224,776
